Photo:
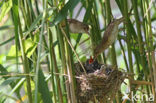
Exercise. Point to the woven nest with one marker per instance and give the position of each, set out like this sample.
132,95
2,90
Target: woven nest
100,82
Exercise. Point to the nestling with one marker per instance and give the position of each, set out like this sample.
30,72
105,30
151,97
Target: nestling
92,65
76,26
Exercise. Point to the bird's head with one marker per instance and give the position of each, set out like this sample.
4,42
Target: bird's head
85,28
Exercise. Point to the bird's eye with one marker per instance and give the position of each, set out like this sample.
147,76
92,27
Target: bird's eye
86,27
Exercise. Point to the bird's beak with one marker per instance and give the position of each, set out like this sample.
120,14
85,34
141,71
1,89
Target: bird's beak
88,31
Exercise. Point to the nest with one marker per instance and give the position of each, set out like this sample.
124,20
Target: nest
100,82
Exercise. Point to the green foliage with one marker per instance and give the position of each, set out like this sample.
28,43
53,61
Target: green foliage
29,50
12,53
43,89
70,5
5,8
43,60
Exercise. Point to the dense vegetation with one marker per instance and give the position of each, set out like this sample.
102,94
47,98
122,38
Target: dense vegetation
37,55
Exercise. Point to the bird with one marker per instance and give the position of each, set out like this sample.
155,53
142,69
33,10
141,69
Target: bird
109,37
92,65
76,26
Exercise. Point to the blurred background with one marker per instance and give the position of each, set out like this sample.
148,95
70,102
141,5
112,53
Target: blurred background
37,62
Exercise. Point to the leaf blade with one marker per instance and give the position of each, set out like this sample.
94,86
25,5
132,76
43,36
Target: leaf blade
63,12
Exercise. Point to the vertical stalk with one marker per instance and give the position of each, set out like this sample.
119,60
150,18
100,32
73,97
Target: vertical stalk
125,12
70,74
57,71
103,9
152,52
108,11
46,48
37,9
26,64
28,13
15,17
63,59
31,10
141,48
146,41
128,41
59,90
70,65
39,51
24,13
124,55
51,64
95,33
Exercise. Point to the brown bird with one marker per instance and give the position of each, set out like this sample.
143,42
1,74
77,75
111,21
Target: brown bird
109,37
76,26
